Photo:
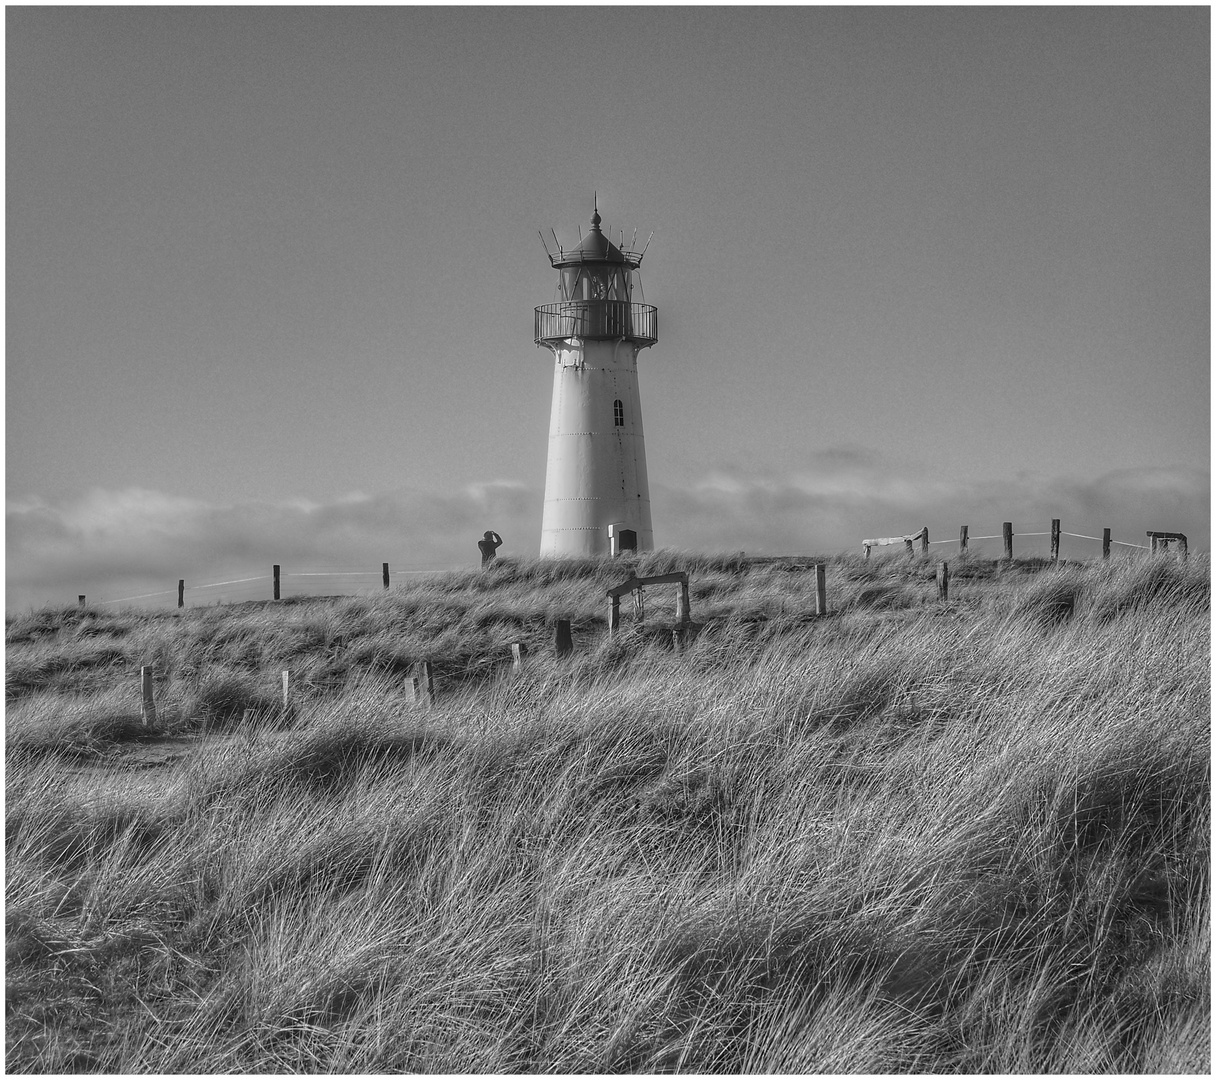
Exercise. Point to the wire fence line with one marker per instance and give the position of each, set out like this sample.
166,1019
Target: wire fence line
1018,534
1160,540
183,589
1078,536
385,574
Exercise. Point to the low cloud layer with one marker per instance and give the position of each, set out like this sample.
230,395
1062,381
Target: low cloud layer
114,544
834,505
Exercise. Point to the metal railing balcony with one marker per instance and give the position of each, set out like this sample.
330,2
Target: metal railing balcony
602,319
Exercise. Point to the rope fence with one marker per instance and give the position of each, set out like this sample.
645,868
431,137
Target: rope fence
1158,540
1078,536
382,577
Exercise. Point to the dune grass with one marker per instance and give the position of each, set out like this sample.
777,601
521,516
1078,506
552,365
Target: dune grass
909,836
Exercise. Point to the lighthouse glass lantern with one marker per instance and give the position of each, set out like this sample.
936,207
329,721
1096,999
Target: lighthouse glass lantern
597,499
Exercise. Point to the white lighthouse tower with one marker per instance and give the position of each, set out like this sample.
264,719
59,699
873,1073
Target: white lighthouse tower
597,499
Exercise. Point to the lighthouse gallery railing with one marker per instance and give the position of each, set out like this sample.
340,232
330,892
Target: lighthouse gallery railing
597,319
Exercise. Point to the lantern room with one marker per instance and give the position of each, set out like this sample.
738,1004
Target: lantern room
597,269
596,286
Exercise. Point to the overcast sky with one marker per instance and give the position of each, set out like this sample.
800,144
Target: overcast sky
271,275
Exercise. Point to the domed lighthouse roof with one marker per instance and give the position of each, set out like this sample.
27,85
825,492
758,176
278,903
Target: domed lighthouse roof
595,247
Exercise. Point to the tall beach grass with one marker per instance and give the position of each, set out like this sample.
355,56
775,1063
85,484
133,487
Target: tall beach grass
908,836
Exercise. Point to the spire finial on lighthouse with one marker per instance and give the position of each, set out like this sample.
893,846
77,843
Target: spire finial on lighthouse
595,211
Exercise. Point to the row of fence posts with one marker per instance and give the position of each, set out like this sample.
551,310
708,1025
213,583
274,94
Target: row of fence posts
148,694
422,681
276,576
1158,541
181,585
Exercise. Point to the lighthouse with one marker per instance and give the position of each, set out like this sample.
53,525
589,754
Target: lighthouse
597,499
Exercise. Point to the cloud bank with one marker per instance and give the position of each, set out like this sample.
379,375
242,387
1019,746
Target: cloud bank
115,544
842,498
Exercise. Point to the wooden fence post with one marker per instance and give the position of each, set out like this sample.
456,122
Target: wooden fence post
286,690
821,589
908,544
1007,537
1106,543
424,682
924,540
80,600
683,627
276,581
181,592
563,643
385,572
149,701
962,538
1182,545
517,656
943,581
614,614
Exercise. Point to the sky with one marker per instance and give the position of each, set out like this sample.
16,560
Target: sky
271,274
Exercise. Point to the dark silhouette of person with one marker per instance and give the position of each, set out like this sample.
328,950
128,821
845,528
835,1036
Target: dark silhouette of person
489,545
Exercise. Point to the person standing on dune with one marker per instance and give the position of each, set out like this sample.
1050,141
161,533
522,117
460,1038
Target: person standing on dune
489,546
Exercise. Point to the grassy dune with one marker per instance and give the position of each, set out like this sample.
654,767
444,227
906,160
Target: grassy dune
909,836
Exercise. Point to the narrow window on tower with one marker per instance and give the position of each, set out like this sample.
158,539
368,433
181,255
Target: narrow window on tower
618,413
